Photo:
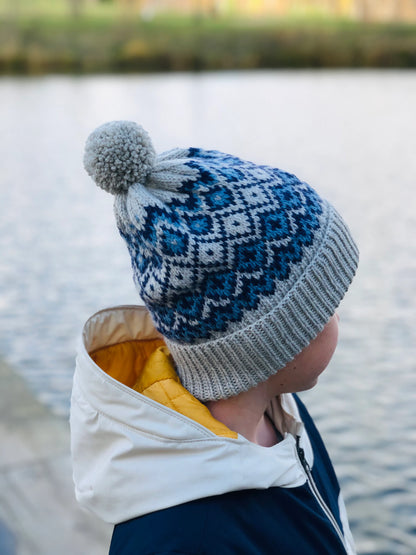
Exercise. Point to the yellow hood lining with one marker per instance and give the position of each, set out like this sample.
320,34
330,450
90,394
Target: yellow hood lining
147,367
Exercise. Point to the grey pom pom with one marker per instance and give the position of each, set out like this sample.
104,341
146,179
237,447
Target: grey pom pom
119,154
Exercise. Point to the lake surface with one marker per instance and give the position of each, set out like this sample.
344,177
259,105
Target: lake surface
350,134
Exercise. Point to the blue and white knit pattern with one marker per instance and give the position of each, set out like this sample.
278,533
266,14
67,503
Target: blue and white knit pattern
240,265
206,255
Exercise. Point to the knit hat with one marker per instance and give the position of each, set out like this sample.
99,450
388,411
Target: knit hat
240,265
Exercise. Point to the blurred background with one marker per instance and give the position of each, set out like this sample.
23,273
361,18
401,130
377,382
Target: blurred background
323,89
84,36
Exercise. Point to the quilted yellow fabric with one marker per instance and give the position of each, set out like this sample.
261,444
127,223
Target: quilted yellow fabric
147,367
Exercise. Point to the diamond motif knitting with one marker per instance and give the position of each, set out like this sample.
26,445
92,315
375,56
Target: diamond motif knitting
225,238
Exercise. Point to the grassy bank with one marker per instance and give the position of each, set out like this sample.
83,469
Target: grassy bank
100,42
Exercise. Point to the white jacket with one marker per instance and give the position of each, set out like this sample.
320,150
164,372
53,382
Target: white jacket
133,455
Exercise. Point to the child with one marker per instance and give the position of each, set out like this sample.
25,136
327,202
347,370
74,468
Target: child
185,430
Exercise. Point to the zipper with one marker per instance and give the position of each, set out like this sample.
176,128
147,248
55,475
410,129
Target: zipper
316,493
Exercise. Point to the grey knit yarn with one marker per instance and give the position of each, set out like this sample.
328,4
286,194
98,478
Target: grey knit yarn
119,154
240,265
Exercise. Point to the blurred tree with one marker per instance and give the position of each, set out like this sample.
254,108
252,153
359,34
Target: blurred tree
400,9
366,10
386,10
13,9
76,7
338,7
363,9
132,5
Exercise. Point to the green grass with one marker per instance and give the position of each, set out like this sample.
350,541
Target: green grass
45,38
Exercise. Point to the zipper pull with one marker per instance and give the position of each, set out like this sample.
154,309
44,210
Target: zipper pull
301,455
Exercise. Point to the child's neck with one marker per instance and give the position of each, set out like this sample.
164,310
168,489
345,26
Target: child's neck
246,415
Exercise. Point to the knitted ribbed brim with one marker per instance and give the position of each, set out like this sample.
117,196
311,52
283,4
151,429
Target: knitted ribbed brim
236,362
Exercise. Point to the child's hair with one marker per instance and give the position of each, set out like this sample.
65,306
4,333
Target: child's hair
240,265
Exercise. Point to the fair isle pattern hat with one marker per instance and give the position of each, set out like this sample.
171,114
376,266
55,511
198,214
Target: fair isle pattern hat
240,265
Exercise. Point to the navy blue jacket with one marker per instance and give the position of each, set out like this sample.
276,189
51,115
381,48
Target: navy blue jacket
275,521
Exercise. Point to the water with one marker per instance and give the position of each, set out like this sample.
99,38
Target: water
350,134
